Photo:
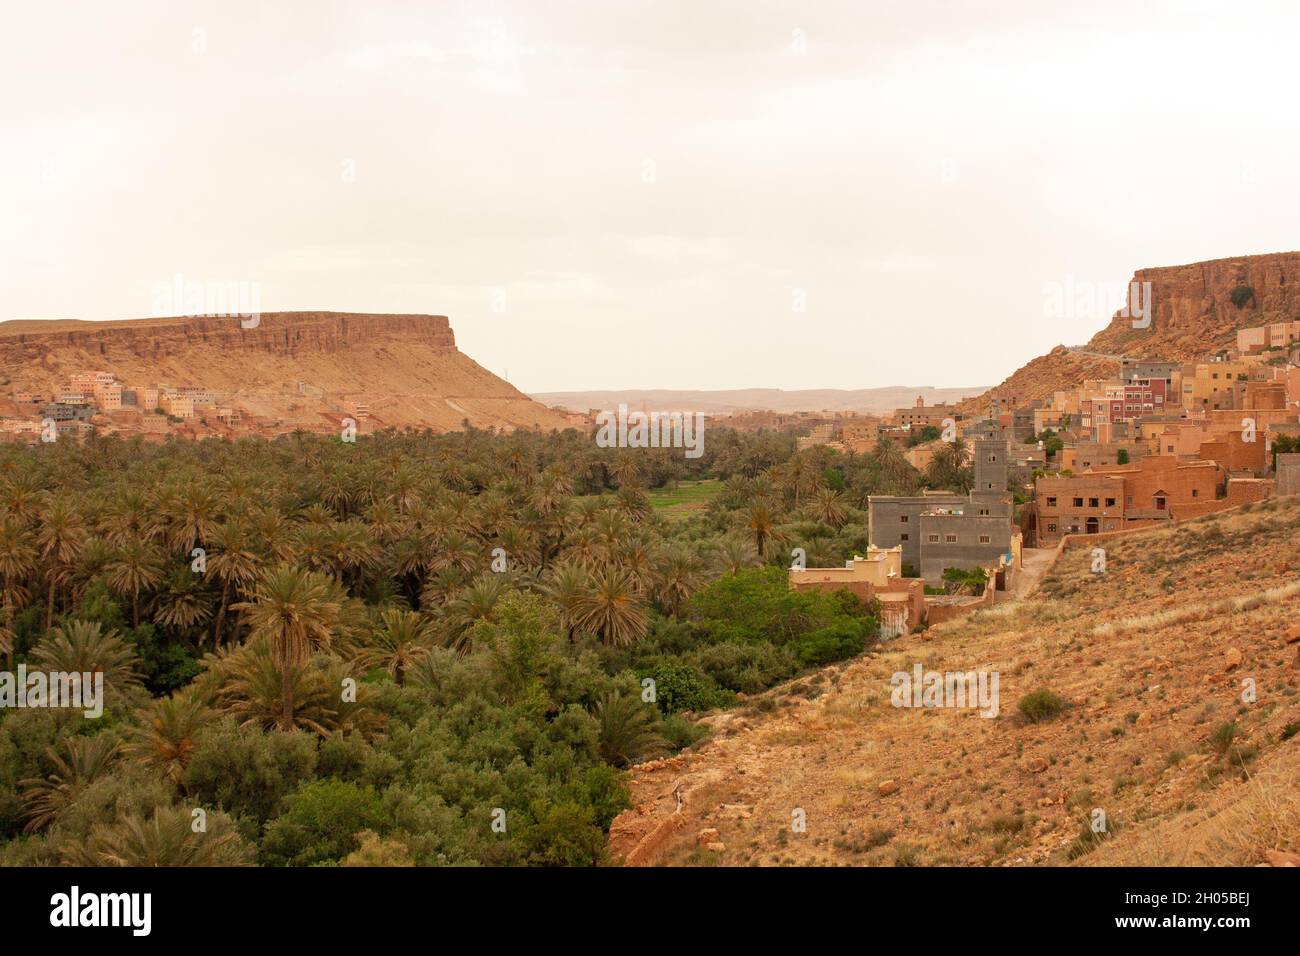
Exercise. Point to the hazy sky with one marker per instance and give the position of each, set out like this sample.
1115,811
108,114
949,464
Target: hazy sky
637,194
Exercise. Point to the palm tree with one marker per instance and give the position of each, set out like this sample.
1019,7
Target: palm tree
295,611
612,609
403,639
234,560
183,604
736,553
678,575
89,758
168,838
136,567
761,522
163,738
61,538
83,647
476,602
568,587
628,729
828,506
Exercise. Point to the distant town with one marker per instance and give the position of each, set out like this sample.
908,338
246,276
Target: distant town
93,401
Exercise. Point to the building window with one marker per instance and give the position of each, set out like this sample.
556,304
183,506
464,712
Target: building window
903,537
902,519
1051,526
934,539
1196,492
1160,503
984,539
1093,503
1051,501
950,538
1110,502
1078,502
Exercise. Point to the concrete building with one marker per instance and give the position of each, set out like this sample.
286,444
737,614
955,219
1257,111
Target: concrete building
942,530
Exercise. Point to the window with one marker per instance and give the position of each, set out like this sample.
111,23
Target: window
984,539
1051,501
1196,492
1051,526
984,512
1110,502
1093,503
950,538
1160,503
903,537
1078,502
902,519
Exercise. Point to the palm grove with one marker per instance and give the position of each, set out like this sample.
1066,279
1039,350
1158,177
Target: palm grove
338,653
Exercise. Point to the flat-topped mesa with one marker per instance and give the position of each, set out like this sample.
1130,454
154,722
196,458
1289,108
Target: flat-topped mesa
285,334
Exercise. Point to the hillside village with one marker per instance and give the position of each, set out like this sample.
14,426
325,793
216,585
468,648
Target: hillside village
1157,443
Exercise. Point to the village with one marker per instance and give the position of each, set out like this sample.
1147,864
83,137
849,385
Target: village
1162,441
95,402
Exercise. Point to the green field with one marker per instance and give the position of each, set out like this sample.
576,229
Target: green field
687,496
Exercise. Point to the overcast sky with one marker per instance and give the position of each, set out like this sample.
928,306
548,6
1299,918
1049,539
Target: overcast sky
704,194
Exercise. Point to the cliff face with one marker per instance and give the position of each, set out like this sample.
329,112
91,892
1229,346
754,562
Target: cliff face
284,334
1192,314
293,368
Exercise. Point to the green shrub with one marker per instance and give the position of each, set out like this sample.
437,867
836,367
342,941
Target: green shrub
1040,705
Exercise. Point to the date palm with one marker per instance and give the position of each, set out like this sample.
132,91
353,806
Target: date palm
164,734
628,729
88,759
82,647
760,520
183,603
234,561
168,838
828,505
612,609
135,567
402,640
568,586
296,612
60,540
736,553
677,577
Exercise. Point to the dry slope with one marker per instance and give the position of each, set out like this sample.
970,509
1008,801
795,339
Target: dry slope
1150,659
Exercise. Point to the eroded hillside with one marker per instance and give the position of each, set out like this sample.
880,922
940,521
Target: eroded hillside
1153,660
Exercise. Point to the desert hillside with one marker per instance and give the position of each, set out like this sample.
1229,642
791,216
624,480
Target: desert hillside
293,367
1150,662
1192,313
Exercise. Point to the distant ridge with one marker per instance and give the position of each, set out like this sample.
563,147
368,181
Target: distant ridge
722,401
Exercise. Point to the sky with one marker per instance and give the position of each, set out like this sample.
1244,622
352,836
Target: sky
702,194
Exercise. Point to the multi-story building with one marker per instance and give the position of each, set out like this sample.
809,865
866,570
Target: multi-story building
938,530
922,414
1276,335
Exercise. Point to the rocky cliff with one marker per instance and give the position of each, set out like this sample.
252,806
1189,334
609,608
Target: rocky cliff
292,368
1193,312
